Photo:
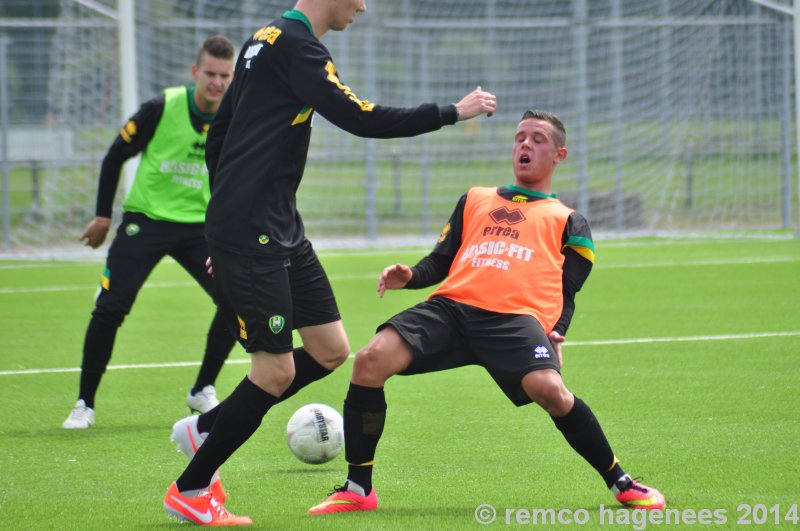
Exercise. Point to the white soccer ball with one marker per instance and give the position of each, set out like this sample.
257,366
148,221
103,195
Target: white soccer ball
315,433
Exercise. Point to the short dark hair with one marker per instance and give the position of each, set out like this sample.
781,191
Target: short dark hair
218,46
561,132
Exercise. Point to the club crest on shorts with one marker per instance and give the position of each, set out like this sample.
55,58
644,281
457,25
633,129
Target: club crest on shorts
276,323
132,229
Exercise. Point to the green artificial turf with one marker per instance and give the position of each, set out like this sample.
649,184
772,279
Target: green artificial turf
675,345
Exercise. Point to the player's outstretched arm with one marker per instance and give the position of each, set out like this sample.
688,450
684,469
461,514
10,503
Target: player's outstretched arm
476,103
394,277
95,232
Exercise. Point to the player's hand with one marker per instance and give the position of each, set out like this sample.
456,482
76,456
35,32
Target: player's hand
95,232
208,266
394,277
476,103
556,340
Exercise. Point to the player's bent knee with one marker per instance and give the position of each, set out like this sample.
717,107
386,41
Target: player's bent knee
386,355
271,372
327,344
335,356
371,366
547,389
275,384
109,317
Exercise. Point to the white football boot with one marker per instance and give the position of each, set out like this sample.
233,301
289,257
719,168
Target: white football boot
205,399
80,418
186,436
188,440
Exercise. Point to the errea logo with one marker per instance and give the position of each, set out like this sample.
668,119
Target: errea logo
541,352
269,34
504,215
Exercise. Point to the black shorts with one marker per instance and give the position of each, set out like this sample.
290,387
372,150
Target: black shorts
444,334
140,244
268,297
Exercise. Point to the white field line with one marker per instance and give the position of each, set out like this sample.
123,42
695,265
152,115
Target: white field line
710,262
74,253
374,276
641,340
86,287
26,266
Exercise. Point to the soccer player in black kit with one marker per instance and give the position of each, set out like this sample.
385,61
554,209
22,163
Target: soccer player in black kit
266,272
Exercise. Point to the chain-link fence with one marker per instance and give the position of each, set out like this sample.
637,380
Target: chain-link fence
680,114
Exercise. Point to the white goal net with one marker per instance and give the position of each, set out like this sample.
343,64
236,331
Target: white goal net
680,114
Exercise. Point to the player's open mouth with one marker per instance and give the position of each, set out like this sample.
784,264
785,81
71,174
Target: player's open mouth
524,159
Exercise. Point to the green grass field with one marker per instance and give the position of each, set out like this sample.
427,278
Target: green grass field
688,352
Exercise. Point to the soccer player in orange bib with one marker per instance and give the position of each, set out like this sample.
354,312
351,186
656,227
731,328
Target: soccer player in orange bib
512,259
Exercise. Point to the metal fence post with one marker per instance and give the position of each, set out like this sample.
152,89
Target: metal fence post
581,36
4,162
785,128
370,162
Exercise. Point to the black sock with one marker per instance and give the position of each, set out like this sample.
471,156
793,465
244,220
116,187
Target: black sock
307,370
218,346
206,420
584,434
97,347
89,382
364,417
238,418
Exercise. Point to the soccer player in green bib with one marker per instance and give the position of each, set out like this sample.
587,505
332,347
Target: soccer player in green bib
164,215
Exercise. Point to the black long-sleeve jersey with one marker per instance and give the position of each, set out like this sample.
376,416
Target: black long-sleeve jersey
258,143
132,139
435,267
